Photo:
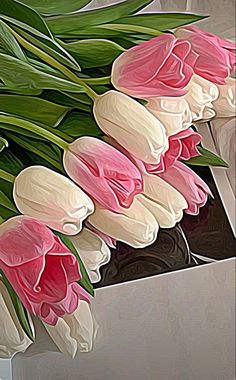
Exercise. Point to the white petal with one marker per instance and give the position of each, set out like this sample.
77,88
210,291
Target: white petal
93,251
135,226
12,337
225,105
74,332
51,198
131,125
174,113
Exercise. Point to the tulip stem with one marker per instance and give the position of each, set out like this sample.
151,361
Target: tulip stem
54,63
7,176
1,220
28,126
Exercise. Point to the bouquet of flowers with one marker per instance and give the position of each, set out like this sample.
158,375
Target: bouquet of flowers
98,133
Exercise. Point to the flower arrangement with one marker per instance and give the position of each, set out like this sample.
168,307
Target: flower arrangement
98,134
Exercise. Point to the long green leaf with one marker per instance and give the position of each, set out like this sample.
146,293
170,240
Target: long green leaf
3,144
49,46
71,24
56,7
20,75
85,281
94,52
207,158
33,109
6,202
23,16
80,101
19,308
9,43
45,150
161,21
78,124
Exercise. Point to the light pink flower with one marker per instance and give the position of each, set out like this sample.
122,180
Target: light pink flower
216,56
41,269
182,146
106,174
189,184
161,66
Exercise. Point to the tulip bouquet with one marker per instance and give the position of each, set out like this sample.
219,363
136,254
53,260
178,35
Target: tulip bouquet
98,136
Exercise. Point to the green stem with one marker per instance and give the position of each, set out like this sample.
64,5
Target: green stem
1,220
27,125
98,81
54,63
130,28
7,176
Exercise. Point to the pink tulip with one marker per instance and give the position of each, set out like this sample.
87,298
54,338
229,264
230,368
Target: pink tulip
41,269
216,56
189,184
161,66
106,174
182,146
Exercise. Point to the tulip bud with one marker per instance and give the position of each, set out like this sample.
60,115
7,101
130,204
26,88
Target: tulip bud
51,198
106,174
135,226
189,184
93,251
131,125
163,201
225,105
74,332
12,336
201,94
174,113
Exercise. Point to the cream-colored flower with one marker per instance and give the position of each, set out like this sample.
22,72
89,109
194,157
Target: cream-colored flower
12,336
74,332
135,226
51,198
225,105
201,94
162,200
173,112
93,251
131,125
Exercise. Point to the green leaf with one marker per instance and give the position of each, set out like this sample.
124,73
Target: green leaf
80,101
9,43
56,7
49,46
72,24
10,163
78,124
206,158
3,144
94,52
161,21
23,16
19,308
49,152
29,77
85,281
33,109
6,202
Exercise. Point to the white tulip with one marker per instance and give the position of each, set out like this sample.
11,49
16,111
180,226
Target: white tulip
93,252
131,125
164,202
225,105
51,198
12,337
135,226
201,94
74,332
174,113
